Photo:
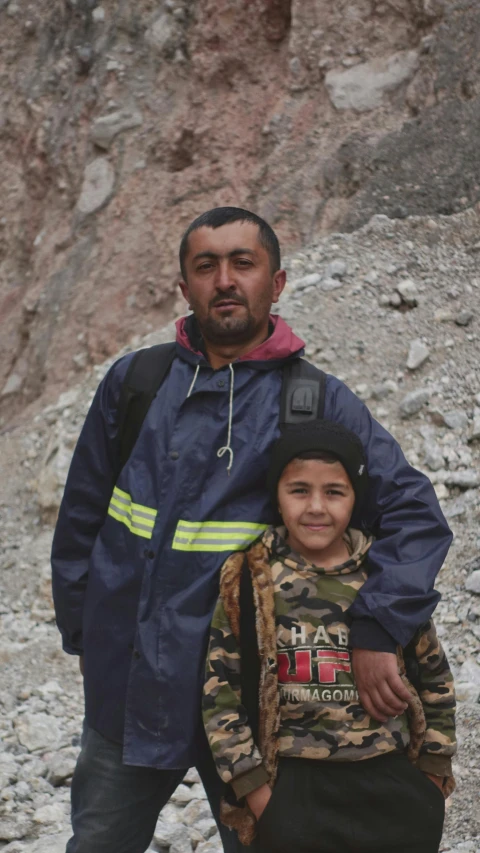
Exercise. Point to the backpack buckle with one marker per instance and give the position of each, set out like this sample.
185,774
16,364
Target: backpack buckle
302,400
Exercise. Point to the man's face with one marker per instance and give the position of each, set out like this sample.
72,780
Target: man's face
229,282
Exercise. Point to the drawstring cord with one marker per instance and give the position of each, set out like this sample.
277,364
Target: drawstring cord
227,447
193,381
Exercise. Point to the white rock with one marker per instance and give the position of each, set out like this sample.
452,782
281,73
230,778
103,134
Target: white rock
211,846
407,290
362,88
441,491
467,685
195,811
172,813
183,794
433,455
473,583
8,769
310,280
413,402
49,690
336,269
381,391
53,472
15,847
198,791
173,835
13,385
206,827
51,813
191,776
50,843
98,183
37,732
417,354
98,14
14,826
164,35
468,479
106,128
456,420
475,434
61,767
328,284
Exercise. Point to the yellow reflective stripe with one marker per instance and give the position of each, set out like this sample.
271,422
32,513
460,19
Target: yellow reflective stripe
215,535
139,519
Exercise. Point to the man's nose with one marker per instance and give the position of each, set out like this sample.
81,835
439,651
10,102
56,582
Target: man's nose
225,279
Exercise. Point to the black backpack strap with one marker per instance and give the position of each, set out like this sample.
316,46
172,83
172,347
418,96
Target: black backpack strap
303,393
146,372
249,657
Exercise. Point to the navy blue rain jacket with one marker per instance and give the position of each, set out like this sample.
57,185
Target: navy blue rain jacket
136,561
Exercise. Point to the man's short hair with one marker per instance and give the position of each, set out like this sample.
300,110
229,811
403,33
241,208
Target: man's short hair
219,216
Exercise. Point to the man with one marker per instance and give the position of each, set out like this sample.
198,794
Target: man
136,556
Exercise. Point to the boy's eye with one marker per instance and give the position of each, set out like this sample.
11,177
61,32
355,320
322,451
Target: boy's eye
299,490
335,492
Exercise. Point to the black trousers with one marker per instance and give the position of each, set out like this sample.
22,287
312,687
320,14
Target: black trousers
379,805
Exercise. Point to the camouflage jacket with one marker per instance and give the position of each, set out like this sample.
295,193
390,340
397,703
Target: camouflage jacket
308,701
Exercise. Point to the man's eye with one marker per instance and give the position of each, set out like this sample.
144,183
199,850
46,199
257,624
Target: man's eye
243,262
204,267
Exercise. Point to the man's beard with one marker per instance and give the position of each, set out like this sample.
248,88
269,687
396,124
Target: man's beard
225,330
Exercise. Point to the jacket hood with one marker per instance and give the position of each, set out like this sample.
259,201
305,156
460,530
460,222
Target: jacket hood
357,543
281,343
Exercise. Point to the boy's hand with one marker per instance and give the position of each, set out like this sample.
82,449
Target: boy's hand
258,800
380,688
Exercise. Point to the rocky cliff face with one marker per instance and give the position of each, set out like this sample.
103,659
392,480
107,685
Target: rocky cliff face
121,122
393,310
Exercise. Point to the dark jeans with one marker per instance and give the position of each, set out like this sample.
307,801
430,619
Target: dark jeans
379,805
115,806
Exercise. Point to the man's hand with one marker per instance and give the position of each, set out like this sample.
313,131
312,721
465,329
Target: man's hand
437,780
258,800
81,665
380,688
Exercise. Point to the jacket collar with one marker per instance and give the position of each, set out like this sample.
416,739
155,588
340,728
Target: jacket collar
357,543
281,343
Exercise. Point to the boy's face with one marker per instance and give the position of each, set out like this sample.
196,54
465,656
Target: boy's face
316,500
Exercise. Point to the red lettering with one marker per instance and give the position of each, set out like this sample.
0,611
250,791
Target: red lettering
331,662
303,667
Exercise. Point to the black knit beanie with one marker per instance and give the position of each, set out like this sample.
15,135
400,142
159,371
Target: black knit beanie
328,436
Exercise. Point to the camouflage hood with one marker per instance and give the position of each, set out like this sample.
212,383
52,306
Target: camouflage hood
274,539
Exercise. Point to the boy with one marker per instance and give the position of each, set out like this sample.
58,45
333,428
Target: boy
320,774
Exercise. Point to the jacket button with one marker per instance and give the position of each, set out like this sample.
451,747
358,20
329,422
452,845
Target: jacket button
174,454
136,654
149,554
221,383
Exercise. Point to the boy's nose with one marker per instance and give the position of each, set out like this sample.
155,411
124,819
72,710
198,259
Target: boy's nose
317,504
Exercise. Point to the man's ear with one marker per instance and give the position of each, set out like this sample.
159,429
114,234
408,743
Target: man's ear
279,282
184,288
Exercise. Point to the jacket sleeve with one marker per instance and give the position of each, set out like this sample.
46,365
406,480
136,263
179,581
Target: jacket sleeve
236,756
434,683
412,536
84,505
